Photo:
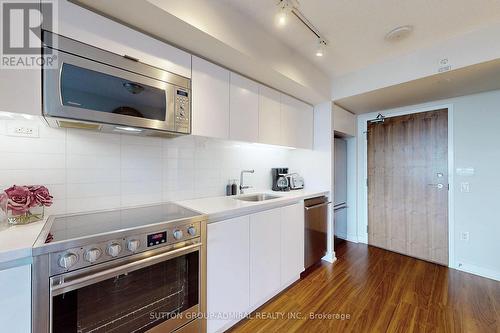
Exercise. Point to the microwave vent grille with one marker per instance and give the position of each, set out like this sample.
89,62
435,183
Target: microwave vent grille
78,125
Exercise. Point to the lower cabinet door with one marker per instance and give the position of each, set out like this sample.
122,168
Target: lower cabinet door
15,299
292,242
265,255
228,263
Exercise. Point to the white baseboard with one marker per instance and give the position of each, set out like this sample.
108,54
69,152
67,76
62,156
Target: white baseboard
341,235
348,237
330,257
476,270
363,239
352,238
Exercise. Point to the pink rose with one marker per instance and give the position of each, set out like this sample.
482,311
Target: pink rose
20,199
41,196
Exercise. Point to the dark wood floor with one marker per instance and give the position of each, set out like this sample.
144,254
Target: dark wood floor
381,291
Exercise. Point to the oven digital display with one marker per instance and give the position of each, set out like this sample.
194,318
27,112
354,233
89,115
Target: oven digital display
157,239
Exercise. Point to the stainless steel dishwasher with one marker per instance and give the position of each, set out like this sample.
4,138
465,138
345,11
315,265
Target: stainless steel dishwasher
316,229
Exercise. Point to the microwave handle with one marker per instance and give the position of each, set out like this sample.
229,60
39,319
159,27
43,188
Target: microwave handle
77,283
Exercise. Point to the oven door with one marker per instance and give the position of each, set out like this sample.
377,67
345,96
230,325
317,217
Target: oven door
154,293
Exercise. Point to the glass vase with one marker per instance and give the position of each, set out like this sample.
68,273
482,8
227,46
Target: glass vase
33,215
3,210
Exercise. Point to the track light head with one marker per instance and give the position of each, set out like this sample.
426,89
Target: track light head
285,7
321,50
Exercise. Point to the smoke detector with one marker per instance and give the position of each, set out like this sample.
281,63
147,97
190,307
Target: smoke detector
399,33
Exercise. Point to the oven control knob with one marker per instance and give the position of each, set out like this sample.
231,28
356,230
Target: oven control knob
177,234
133,245
192,231
92,254
114,249
68,260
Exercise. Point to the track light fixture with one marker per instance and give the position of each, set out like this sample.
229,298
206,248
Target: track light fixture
286,8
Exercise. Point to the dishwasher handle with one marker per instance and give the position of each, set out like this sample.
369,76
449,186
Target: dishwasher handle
318,205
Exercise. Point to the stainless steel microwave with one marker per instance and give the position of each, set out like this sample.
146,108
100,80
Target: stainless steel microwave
90,88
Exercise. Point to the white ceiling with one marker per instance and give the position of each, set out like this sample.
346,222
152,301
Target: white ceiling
355,29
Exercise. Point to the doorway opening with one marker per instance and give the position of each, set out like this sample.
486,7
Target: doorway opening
344,179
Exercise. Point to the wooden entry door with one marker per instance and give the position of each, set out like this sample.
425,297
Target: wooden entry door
408,185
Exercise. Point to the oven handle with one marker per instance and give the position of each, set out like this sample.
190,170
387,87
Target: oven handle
79,282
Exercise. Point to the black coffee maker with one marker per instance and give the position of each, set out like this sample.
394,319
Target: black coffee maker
280,181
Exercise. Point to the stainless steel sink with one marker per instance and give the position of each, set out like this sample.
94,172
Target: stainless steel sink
258,197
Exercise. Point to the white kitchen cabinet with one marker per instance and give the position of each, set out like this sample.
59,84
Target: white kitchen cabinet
269,116
244,109
91,28
228,264
210,99
20,91
15,302
250,259
292,242
297,121
265,255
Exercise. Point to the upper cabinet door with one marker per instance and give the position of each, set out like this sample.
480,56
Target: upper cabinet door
269,116
244,109
297,123
210,101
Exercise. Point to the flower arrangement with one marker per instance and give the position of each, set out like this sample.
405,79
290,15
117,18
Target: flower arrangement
25,204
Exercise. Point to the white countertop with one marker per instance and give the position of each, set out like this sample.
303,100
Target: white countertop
221,208
17,241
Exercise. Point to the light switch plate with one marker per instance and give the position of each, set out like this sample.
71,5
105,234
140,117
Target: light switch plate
465,187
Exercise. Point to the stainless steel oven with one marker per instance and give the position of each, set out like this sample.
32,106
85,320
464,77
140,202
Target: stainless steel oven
91,88
158,291
147,279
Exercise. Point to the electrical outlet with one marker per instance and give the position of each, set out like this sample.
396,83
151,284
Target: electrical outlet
22,129
465,187
464,236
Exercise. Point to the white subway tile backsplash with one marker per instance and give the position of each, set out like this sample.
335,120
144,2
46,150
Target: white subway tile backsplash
28,176
88,171
75,205
137,199
93,175
31,145
92,190
31,161
152,173
93,161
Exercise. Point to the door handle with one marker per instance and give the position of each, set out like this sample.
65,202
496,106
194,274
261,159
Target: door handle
439,186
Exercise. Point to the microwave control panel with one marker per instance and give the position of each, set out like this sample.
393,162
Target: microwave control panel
182,111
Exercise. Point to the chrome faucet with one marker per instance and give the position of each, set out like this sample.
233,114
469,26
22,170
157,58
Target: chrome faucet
243,187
